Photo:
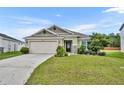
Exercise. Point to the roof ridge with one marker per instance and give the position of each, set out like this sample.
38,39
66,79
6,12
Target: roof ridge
43,30
121,27
77,32
7,36
57,27
64,29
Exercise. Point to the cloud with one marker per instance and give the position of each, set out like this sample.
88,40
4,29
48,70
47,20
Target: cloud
108,23
58,15
119,10
27,31
24,32
84,27
25,25
30,20
101,26
111,25
25,22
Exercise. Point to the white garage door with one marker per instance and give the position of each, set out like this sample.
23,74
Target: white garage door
43,47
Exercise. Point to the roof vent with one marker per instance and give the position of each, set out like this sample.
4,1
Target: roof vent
54,28
44,31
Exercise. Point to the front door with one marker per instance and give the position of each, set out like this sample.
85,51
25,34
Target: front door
68,44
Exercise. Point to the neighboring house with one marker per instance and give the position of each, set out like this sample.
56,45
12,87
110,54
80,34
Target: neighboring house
122,37
8,43
47,40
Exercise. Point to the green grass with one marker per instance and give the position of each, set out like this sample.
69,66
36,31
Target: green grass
79,69
115,54
9,54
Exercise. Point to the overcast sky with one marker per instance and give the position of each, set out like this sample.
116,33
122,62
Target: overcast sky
21,22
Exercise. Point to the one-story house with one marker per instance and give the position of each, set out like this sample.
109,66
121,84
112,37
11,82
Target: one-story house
8,44
122,37
47,40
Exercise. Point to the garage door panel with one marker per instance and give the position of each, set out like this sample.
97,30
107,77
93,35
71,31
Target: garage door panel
43,47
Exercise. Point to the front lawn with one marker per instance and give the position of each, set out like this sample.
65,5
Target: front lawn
9,54
79,69
115,54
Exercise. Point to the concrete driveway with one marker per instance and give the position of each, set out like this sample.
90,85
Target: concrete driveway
16,70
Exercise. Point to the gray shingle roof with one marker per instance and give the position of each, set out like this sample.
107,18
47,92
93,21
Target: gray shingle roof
121,27
70,32
6,36
77,33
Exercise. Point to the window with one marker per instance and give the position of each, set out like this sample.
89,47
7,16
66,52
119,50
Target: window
15,47
9,47
1,49
84,43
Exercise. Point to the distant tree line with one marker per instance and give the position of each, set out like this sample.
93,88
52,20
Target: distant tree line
99,41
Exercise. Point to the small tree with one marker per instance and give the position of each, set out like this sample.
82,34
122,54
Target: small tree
60,51
94,46
81,49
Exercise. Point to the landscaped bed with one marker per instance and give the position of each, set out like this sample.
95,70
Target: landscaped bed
9,54
79,69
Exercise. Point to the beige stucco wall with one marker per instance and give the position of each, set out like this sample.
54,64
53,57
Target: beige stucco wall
76,42
61,42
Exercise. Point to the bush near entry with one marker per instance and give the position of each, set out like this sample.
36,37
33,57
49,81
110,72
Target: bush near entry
101,53
81,49
24,50
60,52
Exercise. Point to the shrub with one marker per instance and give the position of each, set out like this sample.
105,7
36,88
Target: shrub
66,54
93,53
101,53
94,46
90,52
56,55
81,49
86,52
60,51
24,50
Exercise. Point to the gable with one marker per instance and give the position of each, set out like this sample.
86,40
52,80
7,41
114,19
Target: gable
58,30
44,33
66,32
55,31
